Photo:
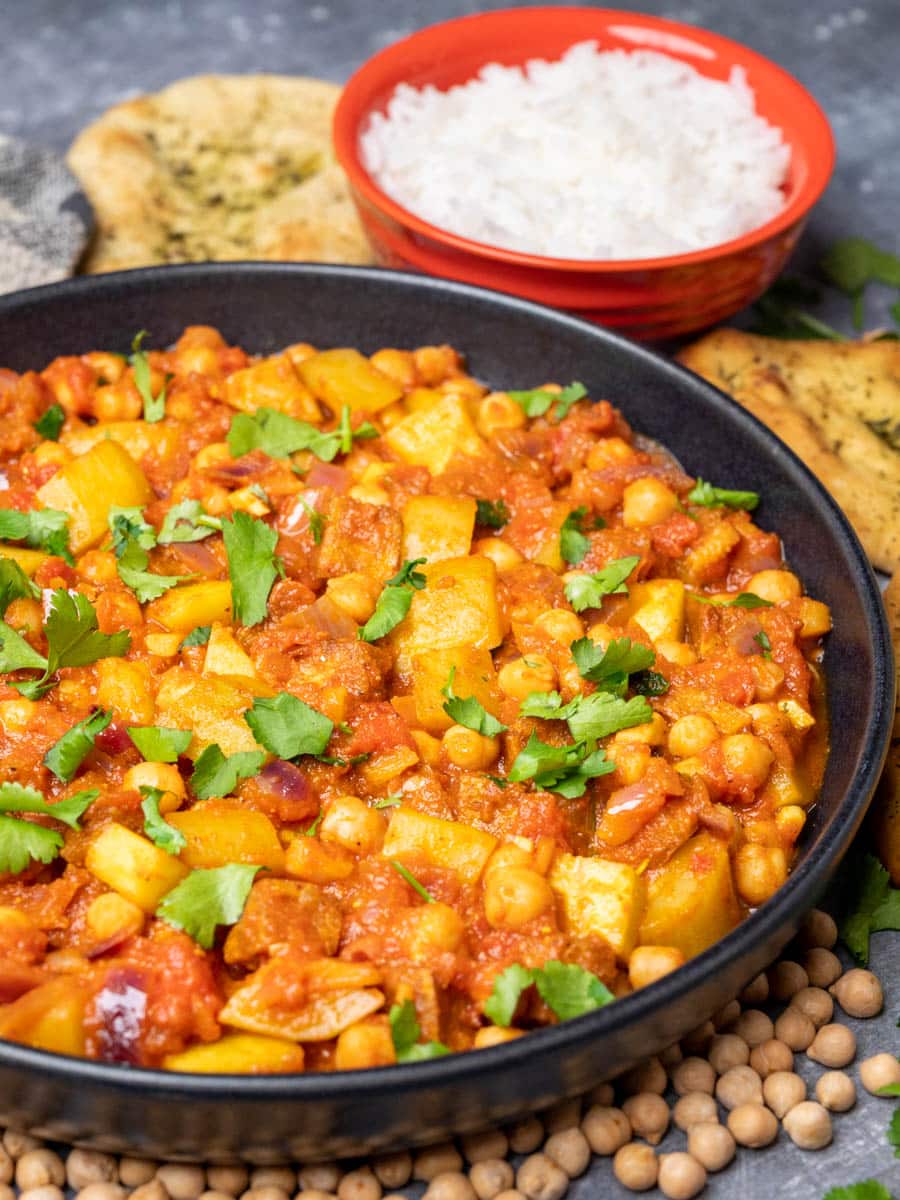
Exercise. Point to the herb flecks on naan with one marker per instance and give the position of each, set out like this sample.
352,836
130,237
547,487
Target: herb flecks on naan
218,167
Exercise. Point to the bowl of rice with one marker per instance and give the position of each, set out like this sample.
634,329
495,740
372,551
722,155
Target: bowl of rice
649,175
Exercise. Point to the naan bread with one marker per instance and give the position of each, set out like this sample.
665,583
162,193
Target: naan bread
218,167
837,405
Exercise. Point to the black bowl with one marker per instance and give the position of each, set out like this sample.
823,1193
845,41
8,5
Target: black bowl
515,344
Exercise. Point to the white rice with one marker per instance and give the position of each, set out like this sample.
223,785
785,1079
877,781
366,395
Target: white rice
601,155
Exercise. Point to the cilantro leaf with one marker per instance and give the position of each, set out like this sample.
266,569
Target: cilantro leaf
157,829
14,585
279,436
748,600
154,406
548,706
316,522
893,1132
762,640
612,666
600,714
503,1001
66,756
561,769
492,514
23,842
409,878
875,906
250,548
536,402
132,568
851,263
14,797
388,802
216,774
567,397
73,639
889,1089
570,990
866,1189
573,545
159,744
405,1034
15,653
587,591
469,712
288,727
649,683
128,524
197,637
49,424
45,529
207,899
394,602
707,496
187,522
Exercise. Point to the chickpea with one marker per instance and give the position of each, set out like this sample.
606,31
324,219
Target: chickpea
782,1091
7,1166
49,1191
747,759
795,1029
752,1125
647,501
117,402
355,594
819,929
279,1177
490,1177
606,1129
231,1180
770,1056
350,823
859,993
565,1114
727,1014
879,1072
786,978
738,1086
808,1126
493,1143
814,1003
754,1026
526,1135
531,673
560,625
648,1114
789,821
608,451
513,896
365,1044
468,749
823,967
681,1176
833,1046
16,1143
495,1035
836,1091
502,554
775,586
436,928
436,1160
396,364
361,1184
671,1057
646,964
691,735
727,1050
498,411
211,1194
636,1167
756,991
39,1168
540,1179
759,871
569,1150
648,1076
693,1075
323,1177
181,1181
712,1145
451,1185
698,1039
694,1108
17,715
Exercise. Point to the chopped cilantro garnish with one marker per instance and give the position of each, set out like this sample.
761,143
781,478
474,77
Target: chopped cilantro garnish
589,717
316,522
492,514
871,905
252,565
388,802
216,774
279,436
567,989
66,756
154,406
16,653
707,496
536,402
394,602
573,544
14,585
288,727
49,424
73,640
45,529
412,881
762,640
610,668
561,769
587,591
313,829
747,600
469,712
207,899
22,842
146,585
649,683
156,827
197,637
187,522
159,744
127,525
405,1034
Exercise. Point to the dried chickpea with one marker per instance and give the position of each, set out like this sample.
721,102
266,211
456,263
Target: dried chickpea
681,1176
649,1115
606,1129
823,967
727,1050
814,1003
698,1039
103,1191
90,1166
694,1108
16,1143
7,1168
451,1185
786,978
756,991
361,1184
693,1075
181,1181
836,1091
323,1177
752,1125
490,1177
526,1135
782,1091
754,1026
566,1114
436,1160
646,964
232,1179
879,1072
671,1057
48,1191
39,1168
636,1167
795,1029
859,993
540,1179
819,929
808,1126
648,1076
711,1144
833,1046
770,1056
727,1014
476,1147
151,1190
738,1086
569,1149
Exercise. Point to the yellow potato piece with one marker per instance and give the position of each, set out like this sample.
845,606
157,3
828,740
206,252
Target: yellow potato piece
49,1017
132,866
184,608
474,676
657,605
344,376
218,834
224,656
600,897
28,560
138,437
239,1054
691,901
271,383
88,486
212,707
451,844
431,437
437,527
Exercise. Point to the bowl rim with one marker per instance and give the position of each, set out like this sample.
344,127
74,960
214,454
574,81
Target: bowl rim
803,887
345,136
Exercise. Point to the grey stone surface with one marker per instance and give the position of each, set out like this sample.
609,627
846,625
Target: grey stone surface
62,63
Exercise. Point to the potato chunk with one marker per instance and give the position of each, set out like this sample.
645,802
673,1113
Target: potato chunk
474,676
224,656
657,605
218,833
457,607
132,866
184,608
431,438
691,901
239,1054
344,376
49,1017
138,437
436,527
271,383
600,897
88,486
28,560
462,848
213,707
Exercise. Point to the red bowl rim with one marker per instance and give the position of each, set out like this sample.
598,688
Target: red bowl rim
346,143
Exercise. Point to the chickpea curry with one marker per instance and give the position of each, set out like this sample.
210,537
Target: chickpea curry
352,713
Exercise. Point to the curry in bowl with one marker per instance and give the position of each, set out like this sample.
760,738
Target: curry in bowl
353,713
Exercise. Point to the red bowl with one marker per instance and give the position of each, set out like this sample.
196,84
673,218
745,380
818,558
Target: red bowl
645,298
